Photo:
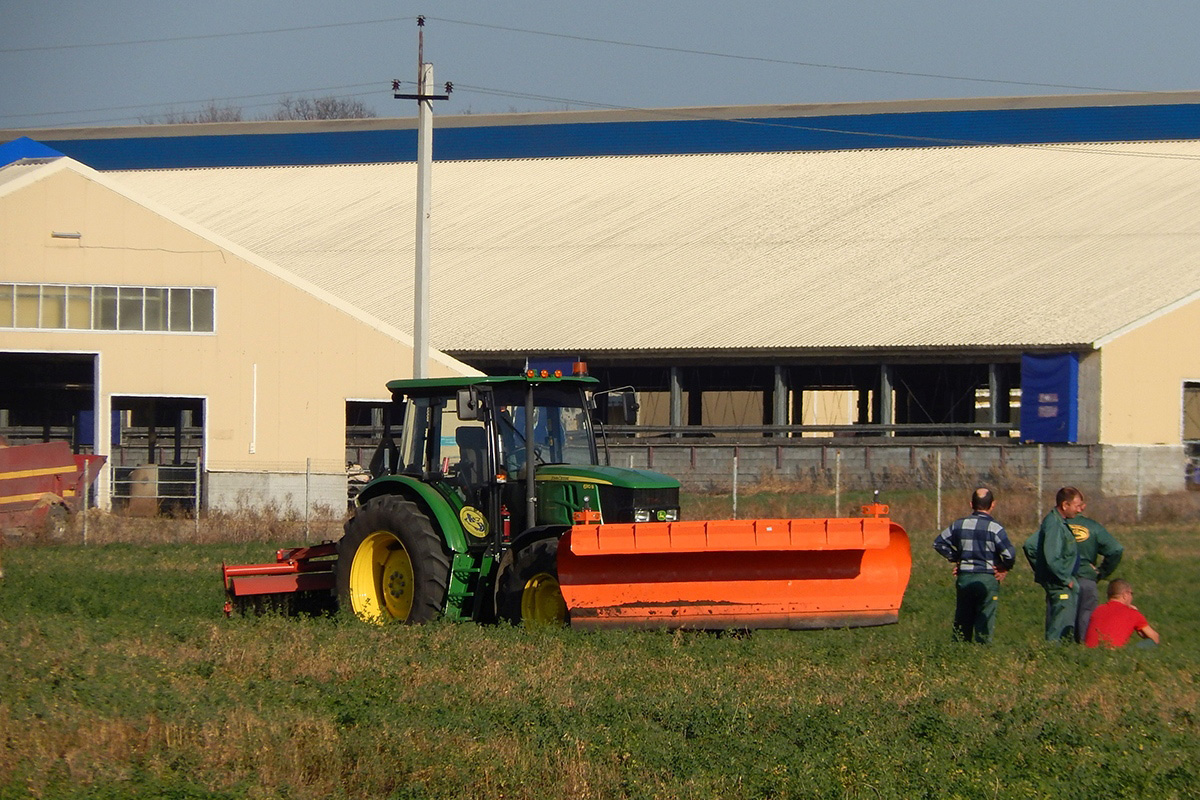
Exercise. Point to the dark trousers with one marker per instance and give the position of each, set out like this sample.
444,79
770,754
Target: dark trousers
1061,605
1089,598
975,610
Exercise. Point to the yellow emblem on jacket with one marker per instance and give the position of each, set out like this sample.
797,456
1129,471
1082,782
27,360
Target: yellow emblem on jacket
1081,532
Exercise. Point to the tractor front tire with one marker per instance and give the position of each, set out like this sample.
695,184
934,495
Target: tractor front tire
392,564
528,591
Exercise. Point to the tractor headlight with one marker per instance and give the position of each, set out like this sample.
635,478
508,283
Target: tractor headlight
641,515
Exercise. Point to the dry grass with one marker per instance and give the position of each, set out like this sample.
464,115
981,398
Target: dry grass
915,509
268,525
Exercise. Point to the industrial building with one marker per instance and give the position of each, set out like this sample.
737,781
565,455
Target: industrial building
118,313
1013,268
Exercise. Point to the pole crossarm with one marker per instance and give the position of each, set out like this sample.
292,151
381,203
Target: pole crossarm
421,97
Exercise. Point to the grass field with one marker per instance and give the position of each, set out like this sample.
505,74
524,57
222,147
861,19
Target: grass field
119,678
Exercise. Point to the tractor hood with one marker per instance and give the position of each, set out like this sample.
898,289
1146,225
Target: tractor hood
607,476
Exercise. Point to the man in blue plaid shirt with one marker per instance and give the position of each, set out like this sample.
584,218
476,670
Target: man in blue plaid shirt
982,555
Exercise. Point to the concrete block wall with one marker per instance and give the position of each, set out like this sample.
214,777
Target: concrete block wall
1132,469
231,491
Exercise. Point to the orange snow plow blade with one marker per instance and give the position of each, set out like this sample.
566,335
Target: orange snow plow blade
736,574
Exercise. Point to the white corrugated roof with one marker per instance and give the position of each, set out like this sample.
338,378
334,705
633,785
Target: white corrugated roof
948,247
18,173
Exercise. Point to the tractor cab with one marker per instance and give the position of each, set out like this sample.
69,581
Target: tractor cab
510,453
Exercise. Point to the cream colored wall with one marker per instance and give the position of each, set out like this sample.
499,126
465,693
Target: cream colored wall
309,355
654,408
828,407
731,408
1141,379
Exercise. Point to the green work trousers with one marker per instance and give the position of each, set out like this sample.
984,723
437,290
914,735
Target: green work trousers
975,610
1089,598
1061,605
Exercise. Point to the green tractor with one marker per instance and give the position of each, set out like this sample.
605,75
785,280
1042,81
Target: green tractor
493,505
464,517
464,514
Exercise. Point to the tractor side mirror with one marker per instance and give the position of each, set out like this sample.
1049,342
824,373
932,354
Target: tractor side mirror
469,407
623,407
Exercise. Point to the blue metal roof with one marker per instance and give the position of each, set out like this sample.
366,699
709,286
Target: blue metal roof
109,150
25,147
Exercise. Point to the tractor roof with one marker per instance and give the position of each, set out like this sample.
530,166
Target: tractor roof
437,386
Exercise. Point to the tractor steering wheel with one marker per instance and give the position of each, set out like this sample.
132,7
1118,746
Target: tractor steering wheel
518,456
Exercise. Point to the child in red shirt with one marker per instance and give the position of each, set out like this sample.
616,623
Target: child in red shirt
1117,620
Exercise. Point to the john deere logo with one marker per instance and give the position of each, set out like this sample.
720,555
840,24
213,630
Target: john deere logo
473,521
1081,532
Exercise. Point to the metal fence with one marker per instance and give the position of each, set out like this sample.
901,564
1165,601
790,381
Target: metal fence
152,489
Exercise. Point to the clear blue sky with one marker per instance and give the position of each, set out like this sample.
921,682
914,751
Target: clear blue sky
71,63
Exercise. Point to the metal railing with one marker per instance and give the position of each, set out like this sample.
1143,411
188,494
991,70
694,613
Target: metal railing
153,489
1002,430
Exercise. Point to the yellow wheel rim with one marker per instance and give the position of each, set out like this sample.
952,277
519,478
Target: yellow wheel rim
542,601
381,579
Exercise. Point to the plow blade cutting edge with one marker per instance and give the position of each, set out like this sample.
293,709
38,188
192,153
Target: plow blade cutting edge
735,574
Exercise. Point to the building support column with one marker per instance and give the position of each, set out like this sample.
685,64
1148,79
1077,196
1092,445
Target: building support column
998,395
797,404
887,411
695,401
103,434
780,396
676,410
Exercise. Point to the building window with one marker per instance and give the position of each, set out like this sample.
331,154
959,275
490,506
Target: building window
107,308
130,300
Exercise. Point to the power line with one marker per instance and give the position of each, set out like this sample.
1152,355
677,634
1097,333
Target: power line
198,36
784,62
579,38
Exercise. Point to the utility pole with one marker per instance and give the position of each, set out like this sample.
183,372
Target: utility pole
424,167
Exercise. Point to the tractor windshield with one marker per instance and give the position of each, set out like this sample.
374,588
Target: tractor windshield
562,429
436,441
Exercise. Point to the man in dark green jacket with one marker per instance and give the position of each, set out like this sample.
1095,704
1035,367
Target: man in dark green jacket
1054,557
1094,542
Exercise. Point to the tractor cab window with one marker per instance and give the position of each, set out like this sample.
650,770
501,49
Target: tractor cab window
562,430
437,442
419,421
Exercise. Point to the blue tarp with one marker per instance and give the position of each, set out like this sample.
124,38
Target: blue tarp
86,430
1050,397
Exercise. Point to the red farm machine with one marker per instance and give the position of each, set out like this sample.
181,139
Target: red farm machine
40,484
493,505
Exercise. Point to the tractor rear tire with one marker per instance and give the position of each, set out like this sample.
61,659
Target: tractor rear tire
392,565
529,592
